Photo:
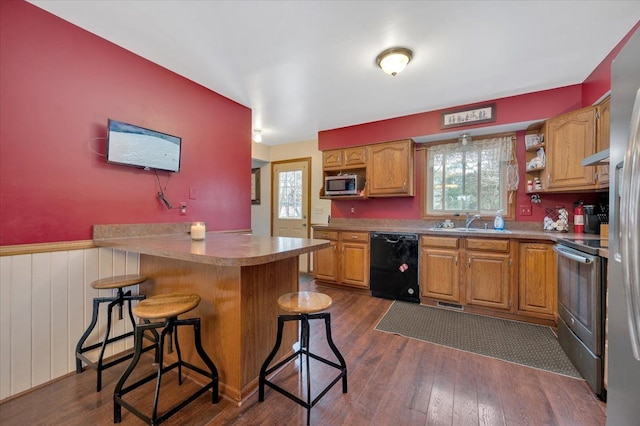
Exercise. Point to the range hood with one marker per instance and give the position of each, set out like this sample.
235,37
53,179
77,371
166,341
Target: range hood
598,159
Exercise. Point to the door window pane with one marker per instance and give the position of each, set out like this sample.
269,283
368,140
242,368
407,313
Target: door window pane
290,190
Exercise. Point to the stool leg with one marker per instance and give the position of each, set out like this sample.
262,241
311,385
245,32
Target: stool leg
153,331
106,339
168,326
305,340
117,392
177,345
267,361
129,298
343,364
120,299
85,336
203,355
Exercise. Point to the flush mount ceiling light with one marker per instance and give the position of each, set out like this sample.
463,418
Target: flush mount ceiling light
464,139
257,136
394,60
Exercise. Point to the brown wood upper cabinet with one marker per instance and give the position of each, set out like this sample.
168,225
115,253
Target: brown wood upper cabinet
347,158
570,138
390,169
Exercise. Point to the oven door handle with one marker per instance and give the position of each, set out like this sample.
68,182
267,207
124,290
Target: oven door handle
571,255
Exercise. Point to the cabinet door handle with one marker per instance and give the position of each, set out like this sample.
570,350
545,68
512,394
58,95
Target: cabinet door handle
549,177
456,260
469,262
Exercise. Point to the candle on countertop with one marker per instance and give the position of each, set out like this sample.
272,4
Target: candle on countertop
198,230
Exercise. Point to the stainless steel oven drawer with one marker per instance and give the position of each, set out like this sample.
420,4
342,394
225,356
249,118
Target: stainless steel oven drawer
580,298
586,362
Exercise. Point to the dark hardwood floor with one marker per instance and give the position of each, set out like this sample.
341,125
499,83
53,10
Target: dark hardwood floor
392,381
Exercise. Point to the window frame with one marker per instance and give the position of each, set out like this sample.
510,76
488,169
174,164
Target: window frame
508,214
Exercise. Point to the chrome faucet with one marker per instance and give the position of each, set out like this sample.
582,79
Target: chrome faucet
468,221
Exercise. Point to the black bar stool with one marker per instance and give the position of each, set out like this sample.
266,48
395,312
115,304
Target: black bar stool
166,307
117,282
305,306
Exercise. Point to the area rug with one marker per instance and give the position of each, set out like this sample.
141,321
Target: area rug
521,343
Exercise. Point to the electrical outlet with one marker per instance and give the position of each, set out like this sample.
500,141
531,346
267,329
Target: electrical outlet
525,210
353,210
183,208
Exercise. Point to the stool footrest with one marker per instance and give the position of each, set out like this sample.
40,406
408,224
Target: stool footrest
307,405
169,330
106,365
113,301
169,412
304,319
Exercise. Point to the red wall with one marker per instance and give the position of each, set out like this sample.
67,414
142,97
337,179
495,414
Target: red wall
599,81
532,106
59,84
527,107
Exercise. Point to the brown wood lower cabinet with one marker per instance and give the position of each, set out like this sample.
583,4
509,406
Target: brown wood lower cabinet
346,262
537,280
501,277
325,261
439,271
488,275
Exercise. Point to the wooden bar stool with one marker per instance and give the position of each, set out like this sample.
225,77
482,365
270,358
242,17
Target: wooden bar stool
166,307
117,282
306,306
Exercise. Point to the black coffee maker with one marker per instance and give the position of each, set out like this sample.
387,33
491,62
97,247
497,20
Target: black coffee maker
592,218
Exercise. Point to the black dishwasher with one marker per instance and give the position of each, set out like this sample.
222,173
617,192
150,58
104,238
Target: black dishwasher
393,272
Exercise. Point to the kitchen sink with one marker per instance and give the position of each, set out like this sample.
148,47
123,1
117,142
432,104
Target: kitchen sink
472,230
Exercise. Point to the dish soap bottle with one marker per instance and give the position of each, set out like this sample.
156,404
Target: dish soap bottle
498,222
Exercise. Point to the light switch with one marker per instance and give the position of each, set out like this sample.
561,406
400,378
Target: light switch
192,193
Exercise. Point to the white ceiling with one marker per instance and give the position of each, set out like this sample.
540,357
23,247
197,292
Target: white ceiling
304,66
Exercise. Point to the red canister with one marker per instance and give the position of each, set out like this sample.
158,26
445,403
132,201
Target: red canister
578,219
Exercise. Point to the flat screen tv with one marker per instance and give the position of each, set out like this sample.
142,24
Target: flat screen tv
136,146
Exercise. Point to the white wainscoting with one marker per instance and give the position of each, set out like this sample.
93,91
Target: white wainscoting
46,302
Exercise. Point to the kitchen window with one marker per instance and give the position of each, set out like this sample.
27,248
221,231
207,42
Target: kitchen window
477,177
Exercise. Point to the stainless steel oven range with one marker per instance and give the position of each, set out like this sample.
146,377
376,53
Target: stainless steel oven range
581,308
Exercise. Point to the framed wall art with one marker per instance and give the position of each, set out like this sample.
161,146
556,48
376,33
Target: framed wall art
468,116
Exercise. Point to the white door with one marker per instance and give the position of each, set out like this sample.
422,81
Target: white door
290,188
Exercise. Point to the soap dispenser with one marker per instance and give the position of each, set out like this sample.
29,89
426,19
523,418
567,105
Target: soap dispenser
498,222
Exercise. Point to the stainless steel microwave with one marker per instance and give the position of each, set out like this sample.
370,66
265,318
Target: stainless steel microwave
350,184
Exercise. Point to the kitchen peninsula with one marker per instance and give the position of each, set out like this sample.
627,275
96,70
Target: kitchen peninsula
239,278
